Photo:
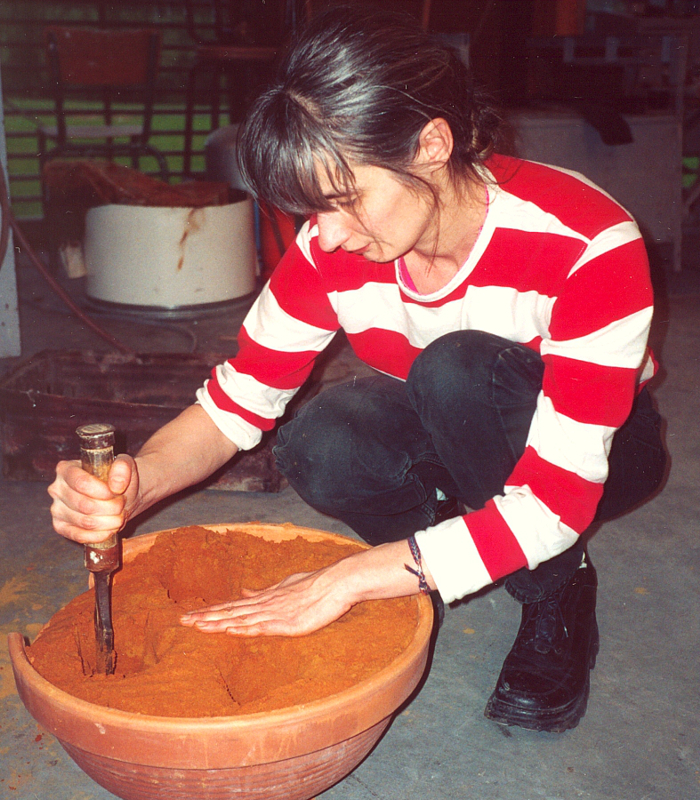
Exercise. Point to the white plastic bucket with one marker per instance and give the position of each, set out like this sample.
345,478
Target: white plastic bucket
170,258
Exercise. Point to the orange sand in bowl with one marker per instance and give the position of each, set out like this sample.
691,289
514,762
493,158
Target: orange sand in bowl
166,669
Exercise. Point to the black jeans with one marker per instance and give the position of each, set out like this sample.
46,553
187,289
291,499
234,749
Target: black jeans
372,453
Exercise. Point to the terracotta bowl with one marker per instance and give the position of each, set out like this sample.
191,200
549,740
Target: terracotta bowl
293,753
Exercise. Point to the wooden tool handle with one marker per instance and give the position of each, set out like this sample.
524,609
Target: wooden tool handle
97,455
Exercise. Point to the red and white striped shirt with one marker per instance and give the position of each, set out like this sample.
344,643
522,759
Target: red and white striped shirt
558,266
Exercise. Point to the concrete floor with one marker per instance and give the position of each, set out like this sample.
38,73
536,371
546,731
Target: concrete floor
640,739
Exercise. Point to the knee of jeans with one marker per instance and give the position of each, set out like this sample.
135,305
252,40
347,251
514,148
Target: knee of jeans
461,361
313,459
474,367
296,458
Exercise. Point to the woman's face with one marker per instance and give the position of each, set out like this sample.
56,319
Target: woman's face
383,219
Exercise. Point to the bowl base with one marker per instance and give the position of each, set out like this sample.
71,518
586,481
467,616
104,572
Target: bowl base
302,777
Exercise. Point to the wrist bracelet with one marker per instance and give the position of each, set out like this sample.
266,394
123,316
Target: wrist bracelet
418,571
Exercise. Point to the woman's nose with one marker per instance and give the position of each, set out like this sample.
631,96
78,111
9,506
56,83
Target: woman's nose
333,230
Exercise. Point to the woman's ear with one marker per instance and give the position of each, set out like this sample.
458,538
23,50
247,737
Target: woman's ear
435,144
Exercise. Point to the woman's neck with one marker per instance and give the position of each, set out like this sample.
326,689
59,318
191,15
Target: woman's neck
459,219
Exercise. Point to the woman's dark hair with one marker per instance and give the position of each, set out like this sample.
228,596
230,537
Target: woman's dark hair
359,85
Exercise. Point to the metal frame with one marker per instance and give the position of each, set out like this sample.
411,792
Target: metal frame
67,137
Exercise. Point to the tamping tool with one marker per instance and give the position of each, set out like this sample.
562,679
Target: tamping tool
102,558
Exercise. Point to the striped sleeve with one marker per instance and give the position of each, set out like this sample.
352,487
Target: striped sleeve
290,323
594,355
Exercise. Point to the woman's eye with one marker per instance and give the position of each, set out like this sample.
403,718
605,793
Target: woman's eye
347,203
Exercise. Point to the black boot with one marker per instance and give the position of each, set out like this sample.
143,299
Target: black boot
545,679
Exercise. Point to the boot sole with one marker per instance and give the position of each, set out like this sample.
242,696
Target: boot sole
555,721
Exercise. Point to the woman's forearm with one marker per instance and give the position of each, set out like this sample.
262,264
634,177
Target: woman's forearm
182,453
380,573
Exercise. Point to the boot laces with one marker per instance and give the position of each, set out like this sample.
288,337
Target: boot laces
547,624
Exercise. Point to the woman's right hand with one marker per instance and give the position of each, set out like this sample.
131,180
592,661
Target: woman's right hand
87,510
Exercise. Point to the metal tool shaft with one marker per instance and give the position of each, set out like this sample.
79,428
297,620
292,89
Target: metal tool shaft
102,558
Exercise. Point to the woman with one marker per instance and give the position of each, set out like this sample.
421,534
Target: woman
505,306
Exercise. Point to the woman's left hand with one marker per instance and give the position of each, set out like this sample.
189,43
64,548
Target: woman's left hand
307,601
298,605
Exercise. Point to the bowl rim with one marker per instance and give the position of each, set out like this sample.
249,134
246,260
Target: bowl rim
367,695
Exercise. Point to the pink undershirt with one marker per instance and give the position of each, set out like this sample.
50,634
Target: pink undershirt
405,275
